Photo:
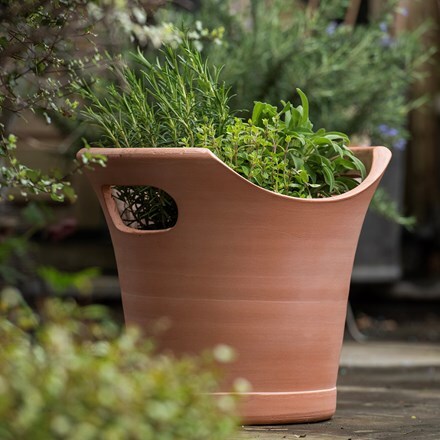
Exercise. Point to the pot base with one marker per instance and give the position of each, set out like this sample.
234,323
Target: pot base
286,407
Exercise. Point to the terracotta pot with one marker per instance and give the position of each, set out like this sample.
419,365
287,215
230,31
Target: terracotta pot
264,273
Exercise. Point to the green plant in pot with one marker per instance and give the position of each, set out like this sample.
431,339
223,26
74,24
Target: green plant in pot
239,232
179,103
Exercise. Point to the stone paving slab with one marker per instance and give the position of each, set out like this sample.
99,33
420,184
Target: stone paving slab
394,400
390,354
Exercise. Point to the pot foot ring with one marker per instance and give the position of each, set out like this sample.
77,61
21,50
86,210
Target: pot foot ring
286,407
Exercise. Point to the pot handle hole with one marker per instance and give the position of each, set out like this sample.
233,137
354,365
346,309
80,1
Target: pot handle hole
142,208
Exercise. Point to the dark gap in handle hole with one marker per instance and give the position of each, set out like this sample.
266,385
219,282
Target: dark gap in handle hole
145,208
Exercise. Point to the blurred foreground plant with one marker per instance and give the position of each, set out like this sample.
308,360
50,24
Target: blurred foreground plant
74,374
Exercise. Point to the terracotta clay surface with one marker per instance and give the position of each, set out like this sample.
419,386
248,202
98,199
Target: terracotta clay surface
264,273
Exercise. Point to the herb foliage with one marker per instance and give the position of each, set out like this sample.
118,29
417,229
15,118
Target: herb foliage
279,150
179,101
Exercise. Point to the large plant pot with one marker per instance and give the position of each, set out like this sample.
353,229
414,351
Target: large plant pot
264,273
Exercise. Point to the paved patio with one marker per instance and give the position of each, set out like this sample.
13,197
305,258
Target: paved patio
386,390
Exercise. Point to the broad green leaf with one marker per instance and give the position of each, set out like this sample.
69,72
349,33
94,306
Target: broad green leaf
345,164
328,177
360,166
297,161
337,136
262,111
347,182
245,170
294,119
305,108
287,117
303,176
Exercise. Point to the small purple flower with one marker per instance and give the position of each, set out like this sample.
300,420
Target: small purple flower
386,41
387,130
383,26
392,132
383,128
331,28
403,11
400,144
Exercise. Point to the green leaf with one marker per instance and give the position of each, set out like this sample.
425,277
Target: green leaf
60,281
345,164
360,166
245,170
328,177
57,197
295,119
305,108
262,111
69,192
303,176
256,113
297,161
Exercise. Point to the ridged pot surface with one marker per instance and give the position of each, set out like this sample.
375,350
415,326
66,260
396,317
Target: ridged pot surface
263,273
